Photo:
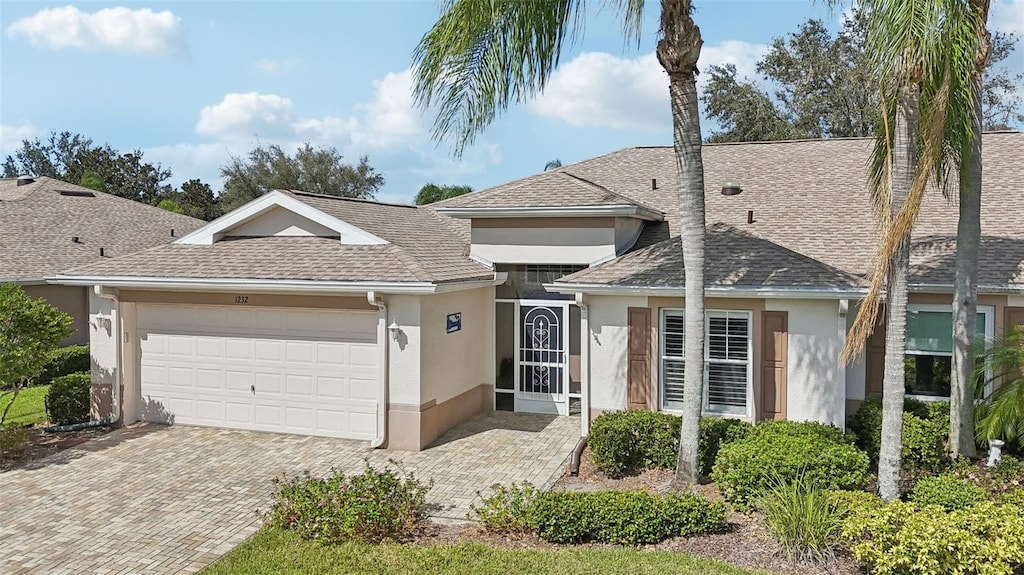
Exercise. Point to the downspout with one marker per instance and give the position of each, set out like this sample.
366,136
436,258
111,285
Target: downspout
382,376
577,452
118,387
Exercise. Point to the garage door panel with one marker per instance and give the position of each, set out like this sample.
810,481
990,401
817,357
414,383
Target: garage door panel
313,372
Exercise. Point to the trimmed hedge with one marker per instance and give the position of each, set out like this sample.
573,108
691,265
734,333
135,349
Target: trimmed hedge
65,361
627,442
925,428
782,451
901,539
631,517
947,491
67,400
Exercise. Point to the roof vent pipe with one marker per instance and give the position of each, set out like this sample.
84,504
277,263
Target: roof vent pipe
74,240
750,216
25,180
102,252
172,232
654,184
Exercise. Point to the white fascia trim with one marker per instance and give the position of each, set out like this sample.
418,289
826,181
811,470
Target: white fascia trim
626,210
716,291
982,289
208,234
24,281
275,286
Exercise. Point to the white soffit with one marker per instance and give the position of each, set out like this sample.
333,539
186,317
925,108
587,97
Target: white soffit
213,231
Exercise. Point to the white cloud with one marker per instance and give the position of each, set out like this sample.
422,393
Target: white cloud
602,90
12,136
599,89
245,115
273,66
119,29
1007,16
392,118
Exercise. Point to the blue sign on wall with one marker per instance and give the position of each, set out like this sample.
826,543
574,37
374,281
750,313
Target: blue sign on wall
454,322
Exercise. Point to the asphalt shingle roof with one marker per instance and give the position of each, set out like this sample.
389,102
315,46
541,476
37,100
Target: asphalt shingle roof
420,248
38,222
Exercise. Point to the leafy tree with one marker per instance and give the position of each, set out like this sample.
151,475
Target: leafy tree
551,165
316,170
198,200
483,55
824,88
30,331
431,193
75,158
169,205
92,180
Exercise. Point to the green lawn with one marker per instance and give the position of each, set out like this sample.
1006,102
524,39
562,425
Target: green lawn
279,552
28,408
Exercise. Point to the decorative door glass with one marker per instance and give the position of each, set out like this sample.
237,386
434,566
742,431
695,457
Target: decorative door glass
542,355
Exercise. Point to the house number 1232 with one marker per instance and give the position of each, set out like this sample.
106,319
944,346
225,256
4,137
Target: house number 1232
241,299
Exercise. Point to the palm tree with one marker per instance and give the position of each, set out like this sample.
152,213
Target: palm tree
483,55
553,164
968,239
923,53
1001,415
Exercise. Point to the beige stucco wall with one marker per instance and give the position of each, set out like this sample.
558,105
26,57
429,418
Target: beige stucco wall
816,382
73,300
280,222
404,350
609,340
103,348
454,363
544,240
856,369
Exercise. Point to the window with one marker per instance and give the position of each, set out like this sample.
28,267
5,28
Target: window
547,273
728,358
929,358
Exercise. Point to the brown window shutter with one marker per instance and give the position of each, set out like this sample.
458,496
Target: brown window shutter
774,369
639,361
874,368
1013,317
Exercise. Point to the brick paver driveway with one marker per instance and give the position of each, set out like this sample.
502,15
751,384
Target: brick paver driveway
154,499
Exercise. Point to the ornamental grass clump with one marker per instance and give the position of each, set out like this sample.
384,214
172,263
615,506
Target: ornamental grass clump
371,506
807,522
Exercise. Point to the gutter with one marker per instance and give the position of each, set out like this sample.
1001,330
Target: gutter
385,369
622,210
716,291
117,390
271,286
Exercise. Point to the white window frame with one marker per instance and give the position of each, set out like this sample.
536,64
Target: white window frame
987,310
708,409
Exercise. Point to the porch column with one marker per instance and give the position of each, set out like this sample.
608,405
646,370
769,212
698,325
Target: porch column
584,365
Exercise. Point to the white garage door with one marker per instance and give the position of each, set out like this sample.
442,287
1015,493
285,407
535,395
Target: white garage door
312,372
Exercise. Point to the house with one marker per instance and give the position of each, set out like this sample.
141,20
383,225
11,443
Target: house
559,293
47,226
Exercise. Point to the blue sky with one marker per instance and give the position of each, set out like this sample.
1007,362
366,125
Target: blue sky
192,83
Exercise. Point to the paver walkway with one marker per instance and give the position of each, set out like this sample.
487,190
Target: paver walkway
155,500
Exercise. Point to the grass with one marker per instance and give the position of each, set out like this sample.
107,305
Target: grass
279,552
28,407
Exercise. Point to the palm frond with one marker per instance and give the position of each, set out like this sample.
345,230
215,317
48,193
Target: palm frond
481,56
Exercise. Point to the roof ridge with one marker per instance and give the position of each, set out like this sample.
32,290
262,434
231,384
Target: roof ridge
407,261
625,198
348,199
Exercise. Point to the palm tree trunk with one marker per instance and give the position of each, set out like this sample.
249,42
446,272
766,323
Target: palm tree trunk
965,289
678,50
904,168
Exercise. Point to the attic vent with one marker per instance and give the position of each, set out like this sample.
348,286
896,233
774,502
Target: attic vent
76,193
25,180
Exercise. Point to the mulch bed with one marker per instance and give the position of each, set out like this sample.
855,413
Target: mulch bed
40,444
746,543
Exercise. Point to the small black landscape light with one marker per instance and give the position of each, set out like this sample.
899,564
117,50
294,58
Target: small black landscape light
730,188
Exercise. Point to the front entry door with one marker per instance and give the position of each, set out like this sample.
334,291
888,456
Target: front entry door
542,374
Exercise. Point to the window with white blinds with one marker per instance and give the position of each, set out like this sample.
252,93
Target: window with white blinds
728,355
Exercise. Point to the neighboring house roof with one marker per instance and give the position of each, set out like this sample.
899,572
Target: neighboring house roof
420,248
811,197
738,259
38,221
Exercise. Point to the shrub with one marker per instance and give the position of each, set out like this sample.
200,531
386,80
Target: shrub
805,521
947,491
506,509
627,442
858,501
1003,479
714,433
784,451
925,427
902,539
632,517
371,506
65,361
12,439
67,400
